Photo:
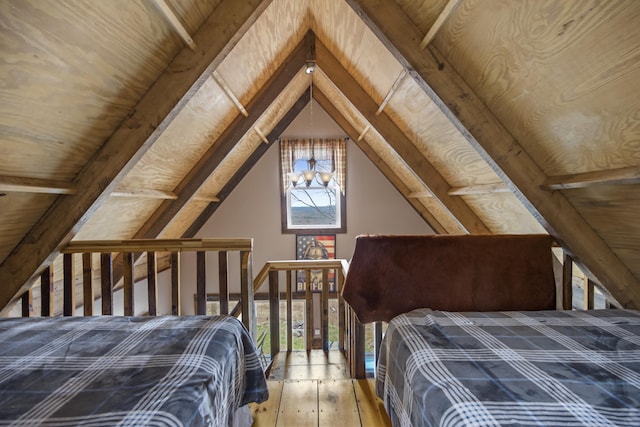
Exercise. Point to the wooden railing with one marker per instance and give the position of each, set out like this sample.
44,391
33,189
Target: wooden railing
350,331
127,248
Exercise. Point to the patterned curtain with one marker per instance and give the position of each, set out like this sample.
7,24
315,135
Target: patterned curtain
322,149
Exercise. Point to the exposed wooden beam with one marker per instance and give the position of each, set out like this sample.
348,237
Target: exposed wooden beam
227,90
219,149
393,89
393,178
147,193
498,147
149,118
171,17
411,155
630,175
440,20
261,134
19,184
496,187
240,173
363,133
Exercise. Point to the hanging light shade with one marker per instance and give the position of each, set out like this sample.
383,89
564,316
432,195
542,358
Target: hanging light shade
325,177
294,177
308,175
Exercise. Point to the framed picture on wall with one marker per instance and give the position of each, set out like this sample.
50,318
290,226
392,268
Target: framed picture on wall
315,246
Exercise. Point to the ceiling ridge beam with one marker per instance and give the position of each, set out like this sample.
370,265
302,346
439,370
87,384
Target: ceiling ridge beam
240,173
123,149
630,175
368,151
451,94
401,144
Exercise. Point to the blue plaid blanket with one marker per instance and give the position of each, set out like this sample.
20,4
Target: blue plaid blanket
99,371
569,368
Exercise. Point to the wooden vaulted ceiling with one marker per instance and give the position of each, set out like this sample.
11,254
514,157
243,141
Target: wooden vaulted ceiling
136,119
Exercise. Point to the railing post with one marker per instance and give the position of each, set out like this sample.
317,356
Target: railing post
106,280
223,282
68,278
175,284
127,282
87,283
567,282
274,312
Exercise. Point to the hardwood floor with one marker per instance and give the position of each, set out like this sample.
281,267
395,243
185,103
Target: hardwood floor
314,389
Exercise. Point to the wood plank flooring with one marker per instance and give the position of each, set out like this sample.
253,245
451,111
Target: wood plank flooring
314,389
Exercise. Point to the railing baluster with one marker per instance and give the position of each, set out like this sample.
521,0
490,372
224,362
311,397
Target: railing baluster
87,283
106,280
201,283
341,312
68,278
567,282
27,303
274,312
127,282
175,284
46,292
324,309
152,283
290,273
223,282
588,293
308,304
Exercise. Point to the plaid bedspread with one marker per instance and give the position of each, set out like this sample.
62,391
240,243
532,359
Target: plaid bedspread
102,371
569,368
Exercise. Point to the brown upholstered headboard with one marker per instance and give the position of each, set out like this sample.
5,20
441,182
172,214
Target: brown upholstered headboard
390,275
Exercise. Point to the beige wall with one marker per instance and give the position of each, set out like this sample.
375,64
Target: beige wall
253,208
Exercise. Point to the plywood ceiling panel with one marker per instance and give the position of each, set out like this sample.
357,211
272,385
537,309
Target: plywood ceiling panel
422,13
192,13
184,141
355,46
445,147
504,214
131,213
563,84
18,211
264,47
70,75
613,210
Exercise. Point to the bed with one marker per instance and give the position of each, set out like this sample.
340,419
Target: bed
474,337
118,370
569,368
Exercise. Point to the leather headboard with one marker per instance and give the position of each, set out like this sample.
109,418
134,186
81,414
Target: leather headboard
390,275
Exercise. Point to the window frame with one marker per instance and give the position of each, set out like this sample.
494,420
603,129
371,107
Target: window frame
286,228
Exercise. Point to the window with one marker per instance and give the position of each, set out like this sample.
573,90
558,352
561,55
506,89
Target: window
313,185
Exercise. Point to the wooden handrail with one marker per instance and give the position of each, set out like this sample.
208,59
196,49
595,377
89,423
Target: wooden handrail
159,245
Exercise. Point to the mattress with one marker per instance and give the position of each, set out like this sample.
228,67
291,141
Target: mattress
97,371
569,368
